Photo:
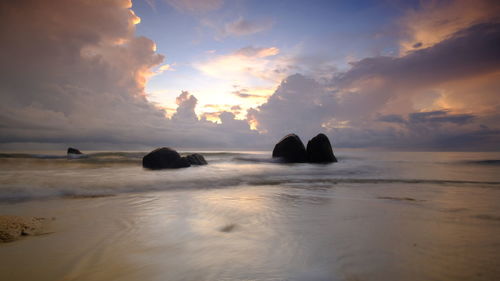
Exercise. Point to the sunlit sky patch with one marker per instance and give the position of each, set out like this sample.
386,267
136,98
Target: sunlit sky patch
219,48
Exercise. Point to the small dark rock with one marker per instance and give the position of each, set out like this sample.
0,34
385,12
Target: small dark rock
164,158
13,227
196,159
319,150
72,150
290,149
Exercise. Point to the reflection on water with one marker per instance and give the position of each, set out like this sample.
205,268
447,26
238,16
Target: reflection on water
372,216
345,232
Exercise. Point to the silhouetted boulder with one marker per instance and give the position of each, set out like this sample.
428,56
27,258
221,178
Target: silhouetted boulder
72,150
74,153
290,149
196,159
164,158
319,150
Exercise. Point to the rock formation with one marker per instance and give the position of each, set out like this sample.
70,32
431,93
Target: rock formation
319,150
164,158
196,159
72,150
290,149
167,158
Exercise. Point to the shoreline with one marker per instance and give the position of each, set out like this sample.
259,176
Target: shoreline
345,231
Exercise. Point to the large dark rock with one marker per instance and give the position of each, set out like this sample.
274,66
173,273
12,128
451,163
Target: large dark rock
164,158
319,150
72,150
196,159
290,149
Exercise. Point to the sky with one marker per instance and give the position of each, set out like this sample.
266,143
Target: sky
215,74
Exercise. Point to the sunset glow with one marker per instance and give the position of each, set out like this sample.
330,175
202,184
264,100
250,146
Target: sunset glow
249,140
419,74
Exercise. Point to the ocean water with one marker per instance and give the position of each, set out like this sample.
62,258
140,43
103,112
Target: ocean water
45,175
372,216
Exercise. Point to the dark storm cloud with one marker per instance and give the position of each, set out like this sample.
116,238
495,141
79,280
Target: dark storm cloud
472,51
391,118
438,116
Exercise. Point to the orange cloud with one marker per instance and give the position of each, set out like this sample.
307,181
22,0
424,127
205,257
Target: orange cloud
244,65
435,21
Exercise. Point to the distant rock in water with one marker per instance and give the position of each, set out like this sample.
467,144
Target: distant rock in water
74,153
290,149
319,150
164,158
196,159
72,150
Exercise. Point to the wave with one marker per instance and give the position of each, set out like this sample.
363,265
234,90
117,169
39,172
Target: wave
31,156
489,162
31,176
95,189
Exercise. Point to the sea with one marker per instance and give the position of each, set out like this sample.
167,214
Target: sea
373,215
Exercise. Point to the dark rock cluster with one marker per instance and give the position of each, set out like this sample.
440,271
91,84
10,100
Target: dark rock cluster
167,158
290,149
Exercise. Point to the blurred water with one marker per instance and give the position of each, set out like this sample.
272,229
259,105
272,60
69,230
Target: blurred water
372,216
31,176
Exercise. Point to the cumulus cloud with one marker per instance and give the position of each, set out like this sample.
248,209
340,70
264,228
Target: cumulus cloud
75,73
440,97
186,108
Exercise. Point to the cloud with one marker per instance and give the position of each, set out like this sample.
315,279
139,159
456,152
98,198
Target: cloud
467,55
237,28
242,27
213,129
243,65
244,93
434,21
74,64
251,51
195,6
296,106
75,73
439,116
391,118
439,97
429,118
186,106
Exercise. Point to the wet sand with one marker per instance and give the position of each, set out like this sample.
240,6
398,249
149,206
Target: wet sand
335,232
